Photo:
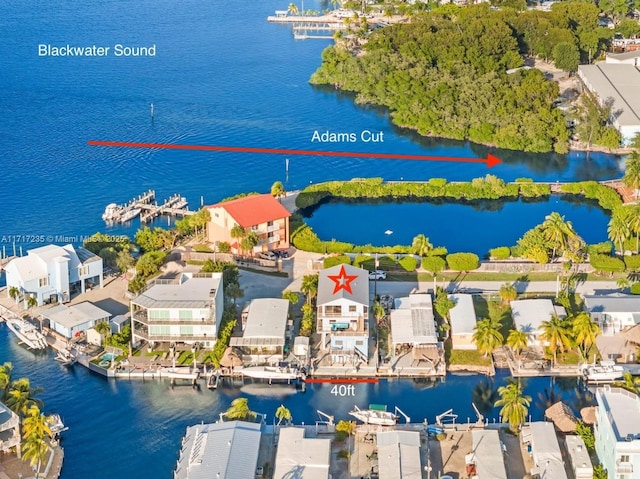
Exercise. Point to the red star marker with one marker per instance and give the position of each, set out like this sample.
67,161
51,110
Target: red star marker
343,281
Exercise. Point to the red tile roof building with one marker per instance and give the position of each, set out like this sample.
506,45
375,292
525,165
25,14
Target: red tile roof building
262,214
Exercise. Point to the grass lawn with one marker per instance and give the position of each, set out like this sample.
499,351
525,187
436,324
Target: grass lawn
202,248
185,358
279,274
464,357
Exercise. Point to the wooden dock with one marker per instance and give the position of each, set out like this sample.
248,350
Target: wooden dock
145,206
175,205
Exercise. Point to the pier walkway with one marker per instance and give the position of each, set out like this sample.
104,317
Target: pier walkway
146,206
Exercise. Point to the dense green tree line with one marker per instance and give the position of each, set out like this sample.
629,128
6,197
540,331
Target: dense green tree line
445,73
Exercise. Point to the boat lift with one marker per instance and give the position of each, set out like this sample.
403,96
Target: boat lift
399,411
328,423
447,415
480,421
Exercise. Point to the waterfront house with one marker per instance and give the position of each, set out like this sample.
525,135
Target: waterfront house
9,430
222,450
186,310
463,321
487,458
613,312
71,321
52,274
579,457
399,455
545,450
529,314
413,326
299,456
617,432
264,335
261,214
117,323
343,313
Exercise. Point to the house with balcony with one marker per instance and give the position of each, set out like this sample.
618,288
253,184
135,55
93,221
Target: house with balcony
261,214
52,273
343,313
617,432
184,310
9,430
613,312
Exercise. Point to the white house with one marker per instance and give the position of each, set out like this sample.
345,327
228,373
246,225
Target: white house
487,454
222,450
399,455
463,321
53,273
264,335
617,432
9,430
343,312
70,321
545,450
298,456
613,312
579,457
529,314
187,309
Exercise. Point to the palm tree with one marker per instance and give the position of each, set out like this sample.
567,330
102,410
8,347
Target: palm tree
125,260
618,229
277,190
291,296
585,332
14,293
515,405
35,424
283,414
484,395
293,9
309,286
557,231
249,242
103,328
238,232
633,220
487,335
517,341
35,450
557,332
508,292
20,396
623,283
631,177
378,312
239,410
421,245
5,379
234,291
32,301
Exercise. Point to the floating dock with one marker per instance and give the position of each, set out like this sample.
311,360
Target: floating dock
146,206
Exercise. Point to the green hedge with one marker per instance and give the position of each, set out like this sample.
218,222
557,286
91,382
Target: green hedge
635,288
336,260
607,197
600,248
609,264
408,263
632,263
501,252
463,261
434,264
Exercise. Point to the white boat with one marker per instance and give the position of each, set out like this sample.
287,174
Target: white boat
282,373
56,425
65,358
129,215
111,212
27,333
376,414
180,373
388,232
605,371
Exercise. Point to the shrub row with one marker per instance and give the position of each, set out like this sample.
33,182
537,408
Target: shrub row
606,197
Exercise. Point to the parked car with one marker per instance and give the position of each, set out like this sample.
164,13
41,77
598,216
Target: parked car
377,274
270,255
283,253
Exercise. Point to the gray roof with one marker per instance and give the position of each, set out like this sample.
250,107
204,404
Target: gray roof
487,450
267,318
188,291
618,82
622,408
623,56
85,256
399,455
528,314
7,415
414,323
546,450
612,303
578,454
463,314
76,315
229,449
329,289
301,457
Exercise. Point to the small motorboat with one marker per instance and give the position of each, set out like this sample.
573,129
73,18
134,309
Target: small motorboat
388,232
65,357
605,371
376,414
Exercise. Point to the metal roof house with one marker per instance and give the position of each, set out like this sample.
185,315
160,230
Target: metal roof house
297,456
545,450
399,455
223,450
613,312
187,309
487,454
343,312
414,323
463,321
529,314
579,457
53,273
617,431
616,84
264,333
70,321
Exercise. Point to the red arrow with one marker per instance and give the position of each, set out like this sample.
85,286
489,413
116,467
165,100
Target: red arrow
490,160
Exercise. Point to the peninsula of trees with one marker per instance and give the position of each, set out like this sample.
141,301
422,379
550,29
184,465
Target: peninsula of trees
454,72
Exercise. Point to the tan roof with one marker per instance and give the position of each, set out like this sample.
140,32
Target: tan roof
588,414
562,417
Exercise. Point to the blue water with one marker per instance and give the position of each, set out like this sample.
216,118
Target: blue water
222,76
452,224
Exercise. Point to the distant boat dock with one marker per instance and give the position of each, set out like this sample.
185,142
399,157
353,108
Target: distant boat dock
146,206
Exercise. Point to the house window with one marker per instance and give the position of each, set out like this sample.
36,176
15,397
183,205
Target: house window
366,310
83,270
270,234
186,330
42,282
159,314
624,458
333,309
186,314
359,343
338,344
159,330
352,308
270,223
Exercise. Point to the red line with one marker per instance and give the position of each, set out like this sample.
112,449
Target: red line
340,380
169,146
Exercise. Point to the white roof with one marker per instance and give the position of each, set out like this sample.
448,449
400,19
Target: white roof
413,322
399,455
54,253
528,314
580,460
301,457
487,452
463,314
612,303
267,318
343,282
76,315
622,409
546,451
225,450
27,268
188,291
